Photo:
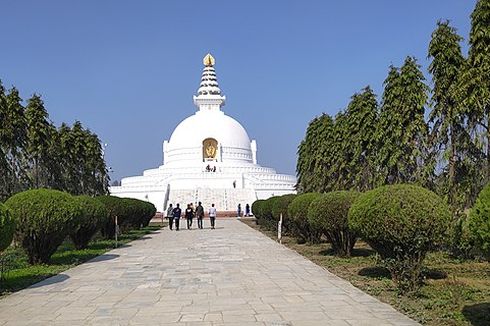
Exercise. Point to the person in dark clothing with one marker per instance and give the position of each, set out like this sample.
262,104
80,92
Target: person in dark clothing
247,210
176,214
189,214
199,215
170,216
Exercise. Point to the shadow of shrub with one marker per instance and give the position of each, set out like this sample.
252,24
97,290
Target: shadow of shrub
51,280
356,252
478,314
434,274
375,272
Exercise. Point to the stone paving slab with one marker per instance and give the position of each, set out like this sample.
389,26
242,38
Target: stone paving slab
232,275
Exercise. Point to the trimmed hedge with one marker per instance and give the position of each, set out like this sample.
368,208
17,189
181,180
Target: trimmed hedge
280,206
7,227
93,215
329,213
44,218
257,209
402,223
479,223
298,214
131,213
114,207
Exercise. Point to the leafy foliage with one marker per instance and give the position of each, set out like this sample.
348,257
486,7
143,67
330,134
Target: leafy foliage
35,154
7,227
329,213
280,206
44,219
479,222
93,215
298,213
402,223
449,132
402,131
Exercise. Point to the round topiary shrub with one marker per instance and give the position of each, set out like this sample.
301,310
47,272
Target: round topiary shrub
257,210
115,206
268,219
7,227
148,212
280,206
44,219
479,223
402,223
92,217
329,213
298,214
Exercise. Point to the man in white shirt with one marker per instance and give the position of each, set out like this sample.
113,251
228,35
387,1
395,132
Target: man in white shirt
212,215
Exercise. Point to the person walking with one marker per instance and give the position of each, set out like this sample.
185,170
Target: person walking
170,216
212,215
239,210
189,214
199,215
176,214
247,210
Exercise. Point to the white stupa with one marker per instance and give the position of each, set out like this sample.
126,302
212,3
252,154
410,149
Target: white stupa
209,158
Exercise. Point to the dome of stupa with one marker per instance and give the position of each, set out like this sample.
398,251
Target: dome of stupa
209,123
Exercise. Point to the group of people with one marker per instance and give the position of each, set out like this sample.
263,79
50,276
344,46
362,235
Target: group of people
247,210
174,215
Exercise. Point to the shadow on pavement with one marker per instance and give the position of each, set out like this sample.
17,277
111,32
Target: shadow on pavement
478,314
52,280
103,257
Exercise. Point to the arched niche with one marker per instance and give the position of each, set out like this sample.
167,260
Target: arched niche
209,149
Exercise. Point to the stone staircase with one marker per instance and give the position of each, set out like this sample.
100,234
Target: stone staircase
224,199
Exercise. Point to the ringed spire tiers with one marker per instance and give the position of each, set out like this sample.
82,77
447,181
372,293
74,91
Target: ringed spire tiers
209,94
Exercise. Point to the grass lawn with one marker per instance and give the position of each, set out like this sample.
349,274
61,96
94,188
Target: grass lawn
21,275
455,292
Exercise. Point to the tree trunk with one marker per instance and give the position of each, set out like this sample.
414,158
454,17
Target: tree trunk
452,165
488,150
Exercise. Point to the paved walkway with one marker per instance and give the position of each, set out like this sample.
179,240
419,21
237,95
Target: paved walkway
233,275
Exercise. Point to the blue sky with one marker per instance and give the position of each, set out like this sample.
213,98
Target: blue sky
128,69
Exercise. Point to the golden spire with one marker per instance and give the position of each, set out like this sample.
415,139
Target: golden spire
208,60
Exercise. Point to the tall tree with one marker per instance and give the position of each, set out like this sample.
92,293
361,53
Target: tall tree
446,116
12,141
360,128
313,155
402,131
475,79
39,131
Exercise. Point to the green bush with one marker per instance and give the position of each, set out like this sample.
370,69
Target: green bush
138,212
44,219
269,220
280,206
402,223
92,217
298,214
7,227
257,210
479,222
329,213
115,206
148,212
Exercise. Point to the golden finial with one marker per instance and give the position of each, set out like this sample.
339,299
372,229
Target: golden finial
208,60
